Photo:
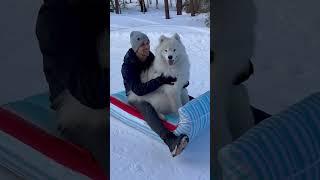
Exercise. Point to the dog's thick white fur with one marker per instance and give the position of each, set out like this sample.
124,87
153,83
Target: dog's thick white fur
167,98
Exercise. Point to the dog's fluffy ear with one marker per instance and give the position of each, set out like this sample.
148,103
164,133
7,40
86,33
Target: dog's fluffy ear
162,38
176,36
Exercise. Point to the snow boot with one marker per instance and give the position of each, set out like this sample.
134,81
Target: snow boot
175,143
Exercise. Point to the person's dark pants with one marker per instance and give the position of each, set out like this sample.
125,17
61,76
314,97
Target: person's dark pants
151,117
83,126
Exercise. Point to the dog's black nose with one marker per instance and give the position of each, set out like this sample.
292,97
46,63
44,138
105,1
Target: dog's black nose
170,57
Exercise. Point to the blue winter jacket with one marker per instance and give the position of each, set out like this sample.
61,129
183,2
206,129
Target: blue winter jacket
131,70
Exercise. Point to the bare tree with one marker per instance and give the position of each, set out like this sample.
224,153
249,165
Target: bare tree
117,7
192,8
179,7
166,8
157,4
143,6
196,5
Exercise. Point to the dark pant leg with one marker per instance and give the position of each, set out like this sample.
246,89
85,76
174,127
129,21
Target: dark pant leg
94,139
85,127
151,117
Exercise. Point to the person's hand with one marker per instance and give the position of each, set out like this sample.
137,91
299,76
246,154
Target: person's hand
167,80
186,85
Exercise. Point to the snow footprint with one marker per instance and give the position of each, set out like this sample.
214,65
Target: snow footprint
136,168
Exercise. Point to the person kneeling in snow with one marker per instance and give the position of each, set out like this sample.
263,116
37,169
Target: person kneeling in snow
137,59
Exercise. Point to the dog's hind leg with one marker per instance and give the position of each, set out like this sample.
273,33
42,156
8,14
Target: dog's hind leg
173,99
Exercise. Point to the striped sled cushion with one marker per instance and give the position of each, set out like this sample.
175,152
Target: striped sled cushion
285,146
31,148
193,117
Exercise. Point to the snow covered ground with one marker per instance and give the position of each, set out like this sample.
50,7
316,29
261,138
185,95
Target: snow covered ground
133,154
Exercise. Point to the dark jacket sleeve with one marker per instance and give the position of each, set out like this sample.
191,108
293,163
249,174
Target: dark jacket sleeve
132,81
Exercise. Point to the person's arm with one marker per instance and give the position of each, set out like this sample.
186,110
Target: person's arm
139,88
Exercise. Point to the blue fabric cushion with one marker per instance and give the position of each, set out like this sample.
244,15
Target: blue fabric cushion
284,146
194,116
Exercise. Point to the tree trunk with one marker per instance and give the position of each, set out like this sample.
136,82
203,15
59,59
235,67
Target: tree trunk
166,8
142,6
117,7
171,3
196,5
157,4
179,7
192,8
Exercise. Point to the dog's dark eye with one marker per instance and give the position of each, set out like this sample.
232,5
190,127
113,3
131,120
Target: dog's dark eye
174,50
166,50
138,39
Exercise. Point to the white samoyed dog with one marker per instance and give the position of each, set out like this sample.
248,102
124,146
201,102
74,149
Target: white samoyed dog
171,59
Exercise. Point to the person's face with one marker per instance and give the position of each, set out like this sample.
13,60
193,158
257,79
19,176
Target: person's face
144,49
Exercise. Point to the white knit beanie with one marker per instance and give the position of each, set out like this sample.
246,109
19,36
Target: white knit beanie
136,39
